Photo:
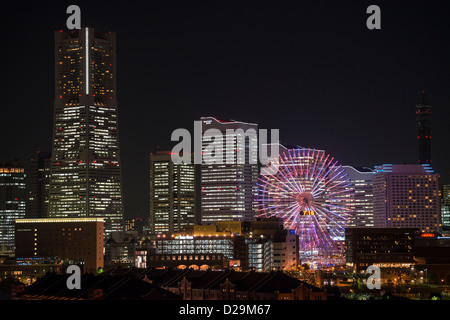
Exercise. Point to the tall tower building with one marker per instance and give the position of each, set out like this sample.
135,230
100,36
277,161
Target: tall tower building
172,194
86,179
12,203
445,207
38,183
228,189
406,196
362,182
423,125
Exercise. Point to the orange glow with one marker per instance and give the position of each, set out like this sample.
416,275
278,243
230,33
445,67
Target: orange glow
427,235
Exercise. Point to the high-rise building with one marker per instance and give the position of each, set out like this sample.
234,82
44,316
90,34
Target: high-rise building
12,202
423,125
172,194
38,184
362,182
406,196
228,189
86,179
445,207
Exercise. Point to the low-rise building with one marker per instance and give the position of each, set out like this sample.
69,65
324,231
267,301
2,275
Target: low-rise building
69,240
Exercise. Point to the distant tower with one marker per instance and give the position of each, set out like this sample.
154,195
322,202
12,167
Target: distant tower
423,124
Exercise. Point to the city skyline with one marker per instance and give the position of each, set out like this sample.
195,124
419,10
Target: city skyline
250,70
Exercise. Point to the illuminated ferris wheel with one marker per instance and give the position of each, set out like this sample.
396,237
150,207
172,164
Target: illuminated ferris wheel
311,193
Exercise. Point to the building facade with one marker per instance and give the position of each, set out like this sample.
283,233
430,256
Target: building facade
388,248
261,245
362,182
86,179
173,200
38,183
407,196
229,170
12,203
71,240
445,208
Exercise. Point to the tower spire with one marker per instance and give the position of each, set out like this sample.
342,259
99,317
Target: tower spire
423,125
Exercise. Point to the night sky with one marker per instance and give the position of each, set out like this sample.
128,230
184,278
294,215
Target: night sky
311,69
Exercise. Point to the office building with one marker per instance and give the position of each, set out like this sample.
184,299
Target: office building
38,183
173,197
71,240
362,182
86,179
445,208
406,196
228,189
388,248
12,202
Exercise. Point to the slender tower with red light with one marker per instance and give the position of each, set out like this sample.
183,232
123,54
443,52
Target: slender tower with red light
423,125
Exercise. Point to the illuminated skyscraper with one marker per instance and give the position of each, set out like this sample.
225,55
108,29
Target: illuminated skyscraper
86,178
362,182
38,183
12,203
172,194
228,189
445,207
423,124
406,196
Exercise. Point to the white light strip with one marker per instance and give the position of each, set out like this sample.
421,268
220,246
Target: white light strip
87,61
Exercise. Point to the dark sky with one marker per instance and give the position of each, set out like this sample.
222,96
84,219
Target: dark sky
311,69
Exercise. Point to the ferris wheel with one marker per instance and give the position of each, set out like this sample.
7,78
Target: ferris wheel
309,190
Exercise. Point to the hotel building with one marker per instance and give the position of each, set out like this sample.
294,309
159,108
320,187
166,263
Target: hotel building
407,196
70,240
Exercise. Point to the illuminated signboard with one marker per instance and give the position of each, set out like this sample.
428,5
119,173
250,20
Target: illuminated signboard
428,235
308,213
